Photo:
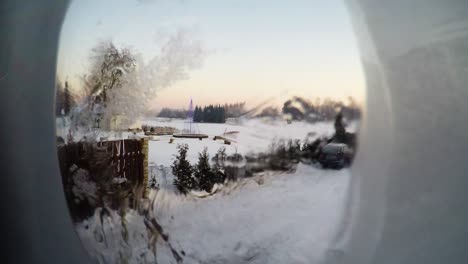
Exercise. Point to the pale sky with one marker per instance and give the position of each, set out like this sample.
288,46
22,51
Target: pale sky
258,49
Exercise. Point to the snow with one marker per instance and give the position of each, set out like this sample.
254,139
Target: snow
255,135
274,218
270,218
288,218
106,244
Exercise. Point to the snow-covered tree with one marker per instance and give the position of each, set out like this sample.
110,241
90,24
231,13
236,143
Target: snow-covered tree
121,83
203,172
182,171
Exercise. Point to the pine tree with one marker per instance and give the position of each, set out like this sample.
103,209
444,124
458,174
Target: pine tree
223,115
196,115
182,170
203,172
202,114
67,99
199,114
219,118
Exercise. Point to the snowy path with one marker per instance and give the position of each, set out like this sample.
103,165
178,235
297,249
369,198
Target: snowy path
287,219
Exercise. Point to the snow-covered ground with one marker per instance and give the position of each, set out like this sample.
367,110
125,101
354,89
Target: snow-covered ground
270,218
285,218
254,135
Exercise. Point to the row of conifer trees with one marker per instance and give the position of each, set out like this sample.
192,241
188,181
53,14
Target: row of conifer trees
202,176
209,114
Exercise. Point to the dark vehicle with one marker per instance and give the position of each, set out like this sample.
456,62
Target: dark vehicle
335,155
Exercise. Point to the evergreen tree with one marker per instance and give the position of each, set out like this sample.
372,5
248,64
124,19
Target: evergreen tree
182,171
195,114
208,114
223,115
203,172
200,114
212,114
67,100
219,114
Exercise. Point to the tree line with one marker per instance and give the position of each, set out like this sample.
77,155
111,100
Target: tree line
230,110
209,114
295,108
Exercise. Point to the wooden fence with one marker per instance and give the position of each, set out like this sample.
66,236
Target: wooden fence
103,174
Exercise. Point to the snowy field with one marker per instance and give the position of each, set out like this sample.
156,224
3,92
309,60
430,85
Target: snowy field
269,218
254,136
